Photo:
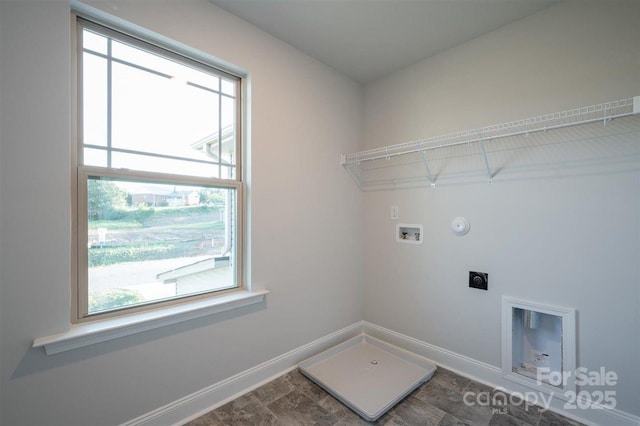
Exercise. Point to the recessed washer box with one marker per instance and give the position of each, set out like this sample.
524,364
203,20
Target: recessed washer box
368,375
409,234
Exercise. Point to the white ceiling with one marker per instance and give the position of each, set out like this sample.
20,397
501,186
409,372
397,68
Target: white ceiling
367,39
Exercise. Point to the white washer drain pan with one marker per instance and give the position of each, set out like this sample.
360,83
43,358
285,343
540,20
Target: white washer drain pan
368,375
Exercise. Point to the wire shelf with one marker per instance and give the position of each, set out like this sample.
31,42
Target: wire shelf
490,150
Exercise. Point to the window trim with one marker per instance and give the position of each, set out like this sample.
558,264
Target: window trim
81,173
104,330
165,52
84,173
153,47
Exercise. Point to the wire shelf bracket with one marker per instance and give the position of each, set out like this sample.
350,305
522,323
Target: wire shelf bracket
486,161
430,176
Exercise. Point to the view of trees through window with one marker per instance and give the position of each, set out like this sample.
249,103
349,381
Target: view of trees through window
150,241
158,169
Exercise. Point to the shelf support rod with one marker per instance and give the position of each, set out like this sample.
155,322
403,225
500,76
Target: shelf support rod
355,176
606,118
486,160
432,179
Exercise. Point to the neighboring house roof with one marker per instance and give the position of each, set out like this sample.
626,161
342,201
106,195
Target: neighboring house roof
209,144
194,268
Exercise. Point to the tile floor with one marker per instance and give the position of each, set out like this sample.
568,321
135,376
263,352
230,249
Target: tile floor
294,400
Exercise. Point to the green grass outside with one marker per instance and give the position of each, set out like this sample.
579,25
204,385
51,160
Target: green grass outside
144,218
141,252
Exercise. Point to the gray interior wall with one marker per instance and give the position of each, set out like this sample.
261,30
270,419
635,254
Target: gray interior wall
304,216
557,237
567,56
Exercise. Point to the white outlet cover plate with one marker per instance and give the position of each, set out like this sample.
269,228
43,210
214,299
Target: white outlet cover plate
394,213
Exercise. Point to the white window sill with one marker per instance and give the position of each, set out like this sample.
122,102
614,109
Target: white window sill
87,334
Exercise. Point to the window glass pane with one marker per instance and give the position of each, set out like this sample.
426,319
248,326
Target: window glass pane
228,87
228,114
160,115
228,172
165,66
95,42
95,157
150,241
228,119
94,100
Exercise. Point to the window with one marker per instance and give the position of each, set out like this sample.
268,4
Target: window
159,186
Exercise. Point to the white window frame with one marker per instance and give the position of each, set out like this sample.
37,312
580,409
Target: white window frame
81,174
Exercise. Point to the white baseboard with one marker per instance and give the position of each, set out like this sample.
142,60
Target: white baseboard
218,394
198,403
492,376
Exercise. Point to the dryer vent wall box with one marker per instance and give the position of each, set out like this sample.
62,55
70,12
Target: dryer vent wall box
539,346
409,234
